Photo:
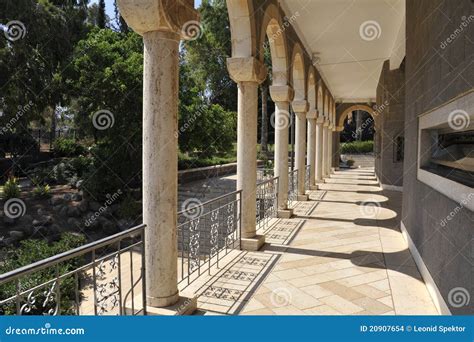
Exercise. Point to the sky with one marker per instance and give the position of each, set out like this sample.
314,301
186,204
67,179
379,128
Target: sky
109,6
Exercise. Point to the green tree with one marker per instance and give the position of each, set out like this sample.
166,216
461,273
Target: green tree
101,14
107,85
208,55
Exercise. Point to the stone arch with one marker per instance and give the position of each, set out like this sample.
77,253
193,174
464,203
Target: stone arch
298,73
320,101
311,88
347,111
242,27
272,28
326,104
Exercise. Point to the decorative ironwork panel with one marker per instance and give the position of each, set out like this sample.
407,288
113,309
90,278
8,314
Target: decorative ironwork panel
100,278
267,202
292,187
206,233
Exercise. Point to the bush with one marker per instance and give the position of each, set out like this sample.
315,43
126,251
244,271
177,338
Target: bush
63,147
11,189
357,147
42,191
34,250
18,144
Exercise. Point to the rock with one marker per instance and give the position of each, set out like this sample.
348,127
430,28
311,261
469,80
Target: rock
40,212
76,197
57,208
17,235
94,206
26,228
67,197
56,201
64,210
108,226
83,206
55,229
8,220
36,223
48,220
8,242
74,223
79,183
73,212
40,231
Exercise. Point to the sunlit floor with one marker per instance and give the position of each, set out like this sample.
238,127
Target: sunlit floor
341,254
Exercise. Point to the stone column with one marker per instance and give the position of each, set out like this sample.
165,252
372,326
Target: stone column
282,95
160,147
325,149
248,73
300,107
311,150
319,149
337,148
330,150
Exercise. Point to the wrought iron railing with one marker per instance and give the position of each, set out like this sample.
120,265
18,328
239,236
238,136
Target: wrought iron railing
264,174
307,176
292,187
105,277
267,202
206,233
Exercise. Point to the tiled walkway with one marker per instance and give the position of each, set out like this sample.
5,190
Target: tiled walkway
342,253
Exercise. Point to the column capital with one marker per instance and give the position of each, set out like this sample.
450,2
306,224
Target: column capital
312,114
320,120
161,15
246,69
326,123
281,93
339,128
300,106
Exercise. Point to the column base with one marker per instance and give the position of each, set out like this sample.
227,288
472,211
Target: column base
302,198
285,213
252,244
184,306
313,187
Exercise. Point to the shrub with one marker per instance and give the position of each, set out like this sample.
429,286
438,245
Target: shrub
350,162
11,189
31,251
130,208
357,147
63,147
18,144
42,191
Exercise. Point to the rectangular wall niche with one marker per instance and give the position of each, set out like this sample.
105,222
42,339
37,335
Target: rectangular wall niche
446,149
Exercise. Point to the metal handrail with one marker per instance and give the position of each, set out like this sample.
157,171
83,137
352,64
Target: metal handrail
56,259
267,205
104,271
210,201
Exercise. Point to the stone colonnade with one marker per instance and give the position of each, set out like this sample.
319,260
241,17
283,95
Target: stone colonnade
162,24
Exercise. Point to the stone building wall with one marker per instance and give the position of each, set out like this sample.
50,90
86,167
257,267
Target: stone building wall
437,72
